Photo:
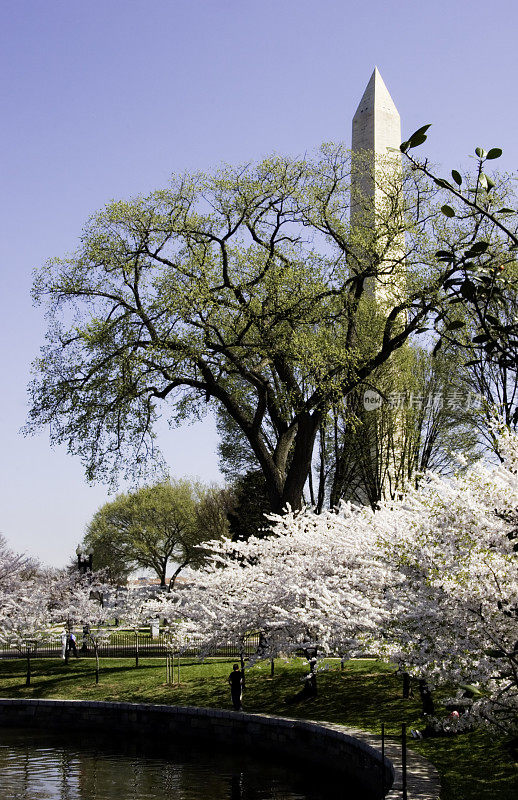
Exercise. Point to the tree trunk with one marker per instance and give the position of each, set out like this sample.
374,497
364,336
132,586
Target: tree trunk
310,686
311,490
175,575
322,471
28,676
339,469
242,662
300,465
136,649
295,447
163,576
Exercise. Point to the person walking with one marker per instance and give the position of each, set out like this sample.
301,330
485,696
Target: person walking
235,680
72,643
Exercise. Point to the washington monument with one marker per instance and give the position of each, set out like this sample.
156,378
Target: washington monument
376,123
379,244
376,183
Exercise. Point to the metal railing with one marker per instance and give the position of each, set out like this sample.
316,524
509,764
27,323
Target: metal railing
124,645
385,786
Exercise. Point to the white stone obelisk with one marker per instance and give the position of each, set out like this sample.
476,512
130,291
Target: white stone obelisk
376,124
378,244
376,179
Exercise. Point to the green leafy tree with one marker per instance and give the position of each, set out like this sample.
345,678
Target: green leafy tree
155,527
251,502
244,290
428,412
481,317
492,377
235,455
479,245
423,416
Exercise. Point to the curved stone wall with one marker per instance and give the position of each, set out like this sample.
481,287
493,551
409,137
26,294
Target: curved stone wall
309,741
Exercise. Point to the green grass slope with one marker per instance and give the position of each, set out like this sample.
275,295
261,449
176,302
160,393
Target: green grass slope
473,766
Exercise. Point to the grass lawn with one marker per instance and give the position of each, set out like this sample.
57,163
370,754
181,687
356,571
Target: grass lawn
473,766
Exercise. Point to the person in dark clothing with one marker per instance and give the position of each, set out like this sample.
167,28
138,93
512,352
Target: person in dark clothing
235,680
426,697
407,687
72,645
86,633
310,684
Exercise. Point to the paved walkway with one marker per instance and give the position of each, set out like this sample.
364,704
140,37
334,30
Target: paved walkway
422,777
423,781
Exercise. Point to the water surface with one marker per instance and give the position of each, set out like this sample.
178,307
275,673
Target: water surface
42,765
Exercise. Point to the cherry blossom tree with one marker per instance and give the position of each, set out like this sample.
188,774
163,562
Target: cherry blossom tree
15,570
429,580
23,603
455,615
13,567
135,610
315,584
180,634
75,601
179,637
25,618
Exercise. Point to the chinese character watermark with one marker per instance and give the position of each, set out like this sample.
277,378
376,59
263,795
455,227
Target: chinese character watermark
454,400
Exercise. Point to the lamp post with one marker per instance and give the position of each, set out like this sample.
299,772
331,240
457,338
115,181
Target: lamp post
84,560
84,565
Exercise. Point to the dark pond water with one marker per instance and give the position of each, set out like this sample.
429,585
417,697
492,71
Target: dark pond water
39,765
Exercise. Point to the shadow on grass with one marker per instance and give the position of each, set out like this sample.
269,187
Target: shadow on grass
473,766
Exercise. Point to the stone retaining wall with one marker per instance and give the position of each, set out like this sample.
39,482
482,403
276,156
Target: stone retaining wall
329,749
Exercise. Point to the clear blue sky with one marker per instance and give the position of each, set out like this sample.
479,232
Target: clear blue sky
103,99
